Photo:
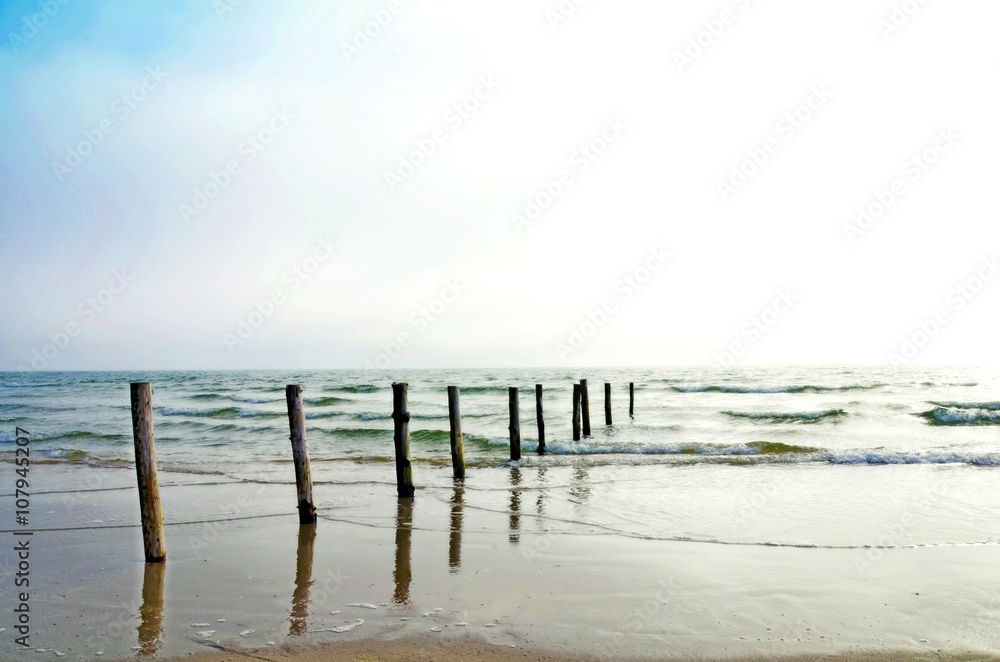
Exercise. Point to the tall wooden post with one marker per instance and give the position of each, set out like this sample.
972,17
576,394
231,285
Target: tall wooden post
585,399
455,418
153,542
607,403
515,425
540,418
300,454
576,412
631,399
401,441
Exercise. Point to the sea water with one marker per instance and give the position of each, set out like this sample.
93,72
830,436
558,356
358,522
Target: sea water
840,457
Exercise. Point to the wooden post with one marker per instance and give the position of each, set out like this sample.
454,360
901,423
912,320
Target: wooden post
585,399
455,418
631,399
153,541
300,454
401,440
541,419
515,426
576,412
607,403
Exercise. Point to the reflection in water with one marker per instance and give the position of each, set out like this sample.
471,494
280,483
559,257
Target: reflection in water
581,485
455,537
540,501
404,531
151,613
298,619
515,506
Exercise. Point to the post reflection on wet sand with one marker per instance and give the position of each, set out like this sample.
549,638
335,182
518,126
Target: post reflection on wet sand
455,536
581,485
404,532
150,628
298,619
515,506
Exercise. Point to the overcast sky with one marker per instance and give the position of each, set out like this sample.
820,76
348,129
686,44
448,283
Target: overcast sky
446,183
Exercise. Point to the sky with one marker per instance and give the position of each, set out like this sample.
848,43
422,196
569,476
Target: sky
442,183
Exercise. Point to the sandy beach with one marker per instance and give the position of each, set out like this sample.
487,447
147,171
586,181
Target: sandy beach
448,577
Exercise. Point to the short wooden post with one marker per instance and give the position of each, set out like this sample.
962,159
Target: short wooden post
631,399
401,441
576,412
540,418
607,403
153,542
585,399
515,425
455,418
300,454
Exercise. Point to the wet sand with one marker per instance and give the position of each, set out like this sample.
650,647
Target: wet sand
441,578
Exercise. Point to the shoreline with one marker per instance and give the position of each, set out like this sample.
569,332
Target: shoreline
491,566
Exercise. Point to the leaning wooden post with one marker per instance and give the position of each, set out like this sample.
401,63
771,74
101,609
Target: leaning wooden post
585,399
300,454
515,425
541,420
631,399
607,403
455,418
153,542
401,440
576,412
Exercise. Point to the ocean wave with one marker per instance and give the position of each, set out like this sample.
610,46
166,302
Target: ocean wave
206,396
789,417
992,406
224,412
252,401
325,401
357,388
807,388
962,416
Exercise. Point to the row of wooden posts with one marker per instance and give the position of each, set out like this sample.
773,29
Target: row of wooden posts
141,393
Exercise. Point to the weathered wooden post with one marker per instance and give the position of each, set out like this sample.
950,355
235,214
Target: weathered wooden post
607,403
300,454
540,418
515,425
455,419
631,399
585,398
153,542
576,412
401,441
